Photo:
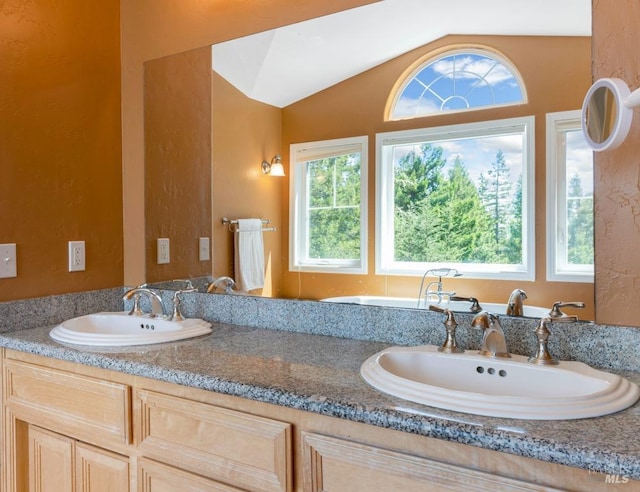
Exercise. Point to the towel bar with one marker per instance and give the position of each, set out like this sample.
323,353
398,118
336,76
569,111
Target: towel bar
234,222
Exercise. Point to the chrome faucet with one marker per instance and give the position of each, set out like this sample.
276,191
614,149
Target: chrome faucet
493,341
228,282
157,307
434,290
515,305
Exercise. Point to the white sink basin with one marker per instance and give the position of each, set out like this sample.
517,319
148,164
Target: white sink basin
119,329
512,388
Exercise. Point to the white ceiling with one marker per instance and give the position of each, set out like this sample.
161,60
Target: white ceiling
284,65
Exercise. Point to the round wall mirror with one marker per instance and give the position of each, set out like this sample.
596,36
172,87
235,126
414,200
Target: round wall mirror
606,118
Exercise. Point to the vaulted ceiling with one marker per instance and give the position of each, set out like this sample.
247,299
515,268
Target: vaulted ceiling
287,64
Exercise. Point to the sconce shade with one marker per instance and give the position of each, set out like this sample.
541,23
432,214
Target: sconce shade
273,168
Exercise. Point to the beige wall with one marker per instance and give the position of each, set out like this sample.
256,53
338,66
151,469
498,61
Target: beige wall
60,143
60,159
616,36
156,28
245,132
177,136
556,72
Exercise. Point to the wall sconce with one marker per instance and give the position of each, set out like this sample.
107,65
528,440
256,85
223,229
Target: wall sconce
273,168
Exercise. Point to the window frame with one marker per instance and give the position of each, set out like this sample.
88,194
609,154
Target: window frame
298,230
433,58
556,206
384,262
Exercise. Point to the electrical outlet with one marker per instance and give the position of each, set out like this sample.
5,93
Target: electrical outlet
76,256
163,250
203,249
8,265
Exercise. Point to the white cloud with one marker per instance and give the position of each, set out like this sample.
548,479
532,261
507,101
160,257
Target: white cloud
473,67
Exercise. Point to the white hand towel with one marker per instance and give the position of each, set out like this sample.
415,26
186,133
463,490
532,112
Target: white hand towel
249,255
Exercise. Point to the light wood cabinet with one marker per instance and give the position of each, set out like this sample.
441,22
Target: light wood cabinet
60,464
157,477
50,461
336,465
243,450
71,427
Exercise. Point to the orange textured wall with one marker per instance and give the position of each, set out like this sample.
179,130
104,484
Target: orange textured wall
245,132
177,139
557,74
616,34
60,144
156,28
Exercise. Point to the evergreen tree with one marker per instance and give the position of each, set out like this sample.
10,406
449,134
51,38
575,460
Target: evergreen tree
334,200
495,192
579,224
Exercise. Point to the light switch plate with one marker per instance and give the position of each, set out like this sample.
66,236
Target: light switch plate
203,249
8,264
163,250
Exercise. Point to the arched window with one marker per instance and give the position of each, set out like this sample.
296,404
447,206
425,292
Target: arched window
459,80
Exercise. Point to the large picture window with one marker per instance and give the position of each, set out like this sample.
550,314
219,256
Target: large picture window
458,196
329,206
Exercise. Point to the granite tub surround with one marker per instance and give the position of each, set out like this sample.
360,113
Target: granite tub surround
320,374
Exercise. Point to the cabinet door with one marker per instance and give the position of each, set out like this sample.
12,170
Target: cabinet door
98,470
246,451
336,465
156,477
50,461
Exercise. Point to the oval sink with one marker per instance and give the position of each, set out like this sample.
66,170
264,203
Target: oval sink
119,329
512,388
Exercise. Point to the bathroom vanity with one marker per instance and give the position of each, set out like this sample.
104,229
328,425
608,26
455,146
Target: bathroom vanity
253,409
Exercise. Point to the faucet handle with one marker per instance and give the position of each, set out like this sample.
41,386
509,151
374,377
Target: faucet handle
135,309
475,305
542,356
177,311
557,315
449,346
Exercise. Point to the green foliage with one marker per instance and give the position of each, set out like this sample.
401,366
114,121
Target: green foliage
334,207
579,224
447,218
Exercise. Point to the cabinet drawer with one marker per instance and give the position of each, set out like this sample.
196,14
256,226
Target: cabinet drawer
82,407
232,447
156,477
336,465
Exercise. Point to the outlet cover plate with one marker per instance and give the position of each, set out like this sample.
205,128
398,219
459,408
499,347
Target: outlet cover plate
163,250
204,253
77,257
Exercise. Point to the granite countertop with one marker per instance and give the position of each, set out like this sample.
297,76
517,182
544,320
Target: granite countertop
320,374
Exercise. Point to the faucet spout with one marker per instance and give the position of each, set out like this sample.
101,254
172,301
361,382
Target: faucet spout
515,305
493,340
228,283
157,307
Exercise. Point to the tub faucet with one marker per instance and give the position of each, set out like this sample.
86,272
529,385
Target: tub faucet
493,341
434,290
157,307
515,305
